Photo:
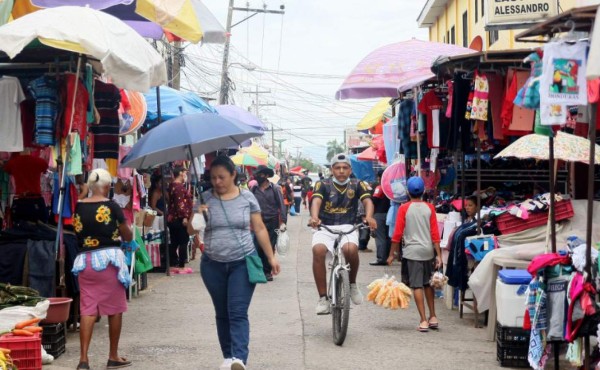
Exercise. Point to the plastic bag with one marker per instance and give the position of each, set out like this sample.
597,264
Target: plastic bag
11,315
283,242
438,280
393,182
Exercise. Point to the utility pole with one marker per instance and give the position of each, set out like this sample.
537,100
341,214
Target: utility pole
279,141
224,90
257,104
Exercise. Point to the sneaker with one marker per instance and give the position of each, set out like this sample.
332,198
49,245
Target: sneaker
237,364
324,306
355,294
226,365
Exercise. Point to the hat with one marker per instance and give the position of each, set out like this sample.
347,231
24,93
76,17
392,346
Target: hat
416,186
341,158
264,169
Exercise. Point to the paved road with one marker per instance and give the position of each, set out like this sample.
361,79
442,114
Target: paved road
171,326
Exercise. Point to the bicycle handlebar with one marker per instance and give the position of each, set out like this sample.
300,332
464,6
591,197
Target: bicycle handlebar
336,232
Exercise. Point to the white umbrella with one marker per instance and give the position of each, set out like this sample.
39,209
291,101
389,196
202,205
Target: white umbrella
125,57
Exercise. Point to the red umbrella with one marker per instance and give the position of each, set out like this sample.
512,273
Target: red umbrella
369,154
297,169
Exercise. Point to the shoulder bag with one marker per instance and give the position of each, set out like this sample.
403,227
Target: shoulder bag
256,274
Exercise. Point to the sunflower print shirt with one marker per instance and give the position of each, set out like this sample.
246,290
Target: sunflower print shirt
97,224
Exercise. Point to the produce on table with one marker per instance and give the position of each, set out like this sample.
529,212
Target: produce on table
389,293
5,360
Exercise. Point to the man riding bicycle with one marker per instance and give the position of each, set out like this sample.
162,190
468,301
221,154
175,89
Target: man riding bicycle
335,204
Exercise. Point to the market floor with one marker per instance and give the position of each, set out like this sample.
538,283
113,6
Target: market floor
171,326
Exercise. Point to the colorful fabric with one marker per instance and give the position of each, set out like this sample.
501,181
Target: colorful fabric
101,259
529,95
180,202
97,224
106,134
432,106
479,106
45,92
26,170
79,107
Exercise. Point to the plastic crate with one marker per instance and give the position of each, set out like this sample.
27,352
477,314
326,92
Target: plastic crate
54,339
26,352
512,355
509,224
512,336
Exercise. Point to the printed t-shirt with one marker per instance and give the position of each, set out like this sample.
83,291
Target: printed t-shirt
417,224
431,106
11,129
45,92
26,171
340,203
97,224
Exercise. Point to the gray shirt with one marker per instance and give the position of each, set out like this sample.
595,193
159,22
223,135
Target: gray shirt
227,236
271,202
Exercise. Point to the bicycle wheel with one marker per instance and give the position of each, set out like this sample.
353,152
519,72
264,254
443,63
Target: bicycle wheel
341,310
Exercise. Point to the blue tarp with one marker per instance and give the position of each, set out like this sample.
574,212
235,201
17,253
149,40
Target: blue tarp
174,103
363,170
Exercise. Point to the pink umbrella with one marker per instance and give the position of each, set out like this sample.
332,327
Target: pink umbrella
369,154
395,68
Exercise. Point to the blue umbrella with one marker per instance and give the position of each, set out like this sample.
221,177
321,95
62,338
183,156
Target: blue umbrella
174,103
187,137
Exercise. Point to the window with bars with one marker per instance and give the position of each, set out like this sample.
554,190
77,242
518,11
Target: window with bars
465,29
453,35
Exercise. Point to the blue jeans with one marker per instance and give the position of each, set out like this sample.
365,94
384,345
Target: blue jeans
231,293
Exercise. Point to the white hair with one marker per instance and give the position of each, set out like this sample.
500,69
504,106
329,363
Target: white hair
98,178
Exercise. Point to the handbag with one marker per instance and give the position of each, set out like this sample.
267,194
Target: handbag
256,274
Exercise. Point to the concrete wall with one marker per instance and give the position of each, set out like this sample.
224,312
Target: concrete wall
453,17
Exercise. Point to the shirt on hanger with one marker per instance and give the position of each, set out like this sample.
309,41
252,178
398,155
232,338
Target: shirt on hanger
479,107
11,130
106,134
431,106
563,77
45,92
26,170
80,107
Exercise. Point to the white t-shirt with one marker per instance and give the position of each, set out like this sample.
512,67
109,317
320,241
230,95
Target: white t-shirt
11,128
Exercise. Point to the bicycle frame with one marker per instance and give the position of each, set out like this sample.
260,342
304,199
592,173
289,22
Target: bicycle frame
338,263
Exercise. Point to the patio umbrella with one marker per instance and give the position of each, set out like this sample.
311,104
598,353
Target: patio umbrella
124,56
369,154
375,115
567,147
256,151
187,137
174,103
247,160
242,115
395,68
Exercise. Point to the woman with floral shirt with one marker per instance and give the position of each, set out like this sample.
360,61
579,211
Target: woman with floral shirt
103,274
179,211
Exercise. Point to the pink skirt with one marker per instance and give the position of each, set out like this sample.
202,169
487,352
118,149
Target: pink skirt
101,293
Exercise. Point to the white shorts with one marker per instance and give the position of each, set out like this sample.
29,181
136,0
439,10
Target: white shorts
323,236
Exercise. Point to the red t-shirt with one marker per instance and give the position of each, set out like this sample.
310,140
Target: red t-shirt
27,171
431,106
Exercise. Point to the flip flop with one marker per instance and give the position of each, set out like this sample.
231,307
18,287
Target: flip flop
83,366
112,364
422,329
433,325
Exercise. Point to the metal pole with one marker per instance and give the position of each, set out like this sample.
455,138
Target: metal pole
478,186
164,192
552,209
223,96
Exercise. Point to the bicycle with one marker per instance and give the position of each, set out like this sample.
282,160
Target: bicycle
338,289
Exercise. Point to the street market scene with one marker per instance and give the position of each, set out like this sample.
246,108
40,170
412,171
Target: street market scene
219,184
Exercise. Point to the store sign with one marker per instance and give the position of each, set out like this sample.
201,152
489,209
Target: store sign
514,12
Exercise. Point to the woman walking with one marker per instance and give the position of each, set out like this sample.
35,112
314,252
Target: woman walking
103,275
232,213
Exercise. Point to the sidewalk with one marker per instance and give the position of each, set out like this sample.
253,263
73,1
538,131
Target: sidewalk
171,326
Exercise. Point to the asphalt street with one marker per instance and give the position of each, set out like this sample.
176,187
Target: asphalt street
171,326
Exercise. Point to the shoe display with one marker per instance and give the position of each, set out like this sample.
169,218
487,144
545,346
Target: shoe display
355,294
237,364
323,306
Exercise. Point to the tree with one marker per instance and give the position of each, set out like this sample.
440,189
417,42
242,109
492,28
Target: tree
308,164
333,148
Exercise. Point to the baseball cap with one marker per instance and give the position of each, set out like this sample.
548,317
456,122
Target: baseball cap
416,186
341,158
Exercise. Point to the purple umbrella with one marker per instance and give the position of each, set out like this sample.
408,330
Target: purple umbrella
242,115
94,4
395,68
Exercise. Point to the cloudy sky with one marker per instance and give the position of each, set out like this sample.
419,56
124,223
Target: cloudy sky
302,57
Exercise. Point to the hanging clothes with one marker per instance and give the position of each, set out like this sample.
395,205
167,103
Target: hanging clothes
496,96
516,121
75,105
431,106
563,77
460,127
106,134
45,92
481,89
457,267
529,95
11,129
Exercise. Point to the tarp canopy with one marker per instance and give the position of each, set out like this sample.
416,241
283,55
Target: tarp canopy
174,103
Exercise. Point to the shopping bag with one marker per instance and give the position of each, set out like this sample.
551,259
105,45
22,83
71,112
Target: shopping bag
283,242
143,263
393,182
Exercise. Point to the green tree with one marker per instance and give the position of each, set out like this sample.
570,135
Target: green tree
333,148
308,164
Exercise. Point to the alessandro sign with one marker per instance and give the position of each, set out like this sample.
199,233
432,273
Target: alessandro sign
511,12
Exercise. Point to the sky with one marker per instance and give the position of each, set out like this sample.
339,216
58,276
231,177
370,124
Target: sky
301,57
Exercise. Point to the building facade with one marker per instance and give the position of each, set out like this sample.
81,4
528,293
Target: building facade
462,22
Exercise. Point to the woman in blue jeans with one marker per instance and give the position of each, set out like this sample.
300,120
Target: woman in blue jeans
232,214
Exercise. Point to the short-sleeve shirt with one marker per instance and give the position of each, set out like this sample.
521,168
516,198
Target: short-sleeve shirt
431,106
11,132
417,224
26,170
340,204
228,237
45,92
97,224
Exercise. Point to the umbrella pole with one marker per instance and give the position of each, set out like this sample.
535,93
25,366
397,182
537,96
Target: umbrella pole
592,108
462,184
552,186
58,245
478,186
204,214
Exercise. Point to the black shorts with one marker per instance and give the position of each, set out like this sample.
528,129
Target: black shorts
417,274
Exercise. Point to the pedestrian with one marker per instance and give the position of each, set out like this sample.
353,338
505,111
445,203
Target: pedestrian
417,225
155,195
232,213
309,195
288,195
335,204
297,189
364,235
100,266
274,216
383,242
180,210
